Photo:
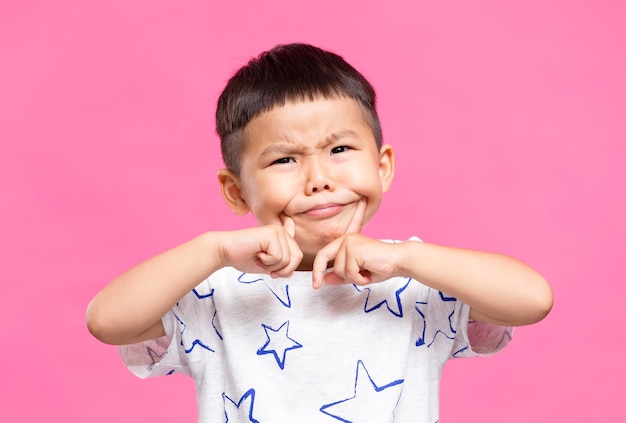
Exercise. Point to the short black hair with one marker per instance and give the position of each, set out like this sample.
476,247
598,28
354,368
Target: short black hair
287,73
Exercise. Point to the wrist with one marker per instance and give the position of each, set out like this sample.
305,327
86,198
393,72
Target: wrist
211,250
407,256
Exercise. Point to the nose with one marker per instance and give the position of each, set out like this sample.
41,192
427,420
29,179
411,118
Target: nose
315,189
318,180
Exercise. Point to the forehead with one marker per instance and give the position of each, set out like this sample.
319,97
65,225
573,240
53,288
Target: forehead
307,121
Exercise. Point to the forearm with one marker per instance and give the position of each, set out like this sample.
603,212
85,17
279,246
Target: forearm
499,289
129,309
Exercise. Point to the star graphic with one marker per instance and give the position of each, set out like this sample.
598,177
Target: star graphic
444,297
194,343
281,292
369,399
458,353
504,340
155,357
447,330
430,333
380,294
201,296
242,408
419,307
215,326
278,343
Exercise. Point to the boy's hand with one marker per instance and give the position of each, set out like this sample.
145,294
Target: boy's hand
357,258
269,249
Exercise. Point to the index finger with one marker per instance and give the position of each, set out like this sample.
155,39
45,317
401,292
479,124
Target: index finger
322,258
356,224
288,224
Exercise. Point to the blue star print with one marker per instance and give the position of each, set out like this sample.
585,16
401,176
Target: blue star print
281,292
202,296
154,357
369,399
444,330
194,343
379,295
278,343
421,321
242,408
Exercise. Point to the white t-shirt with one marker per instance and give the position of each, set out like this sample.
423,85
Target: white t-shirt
276,350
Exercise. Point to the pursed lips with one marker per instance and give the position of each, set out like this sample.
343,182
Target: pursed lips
324,210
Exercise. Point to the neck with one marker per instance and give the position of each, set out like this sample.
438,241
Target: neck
307,263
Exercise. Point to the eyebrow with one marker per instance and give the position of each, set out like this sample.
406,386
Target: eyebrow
289,147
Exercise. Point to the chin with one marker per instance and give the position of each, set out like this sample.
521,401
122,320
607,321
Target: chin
316,242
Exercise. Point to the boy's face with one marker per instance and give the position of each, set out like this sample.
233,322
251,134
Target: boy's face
311,161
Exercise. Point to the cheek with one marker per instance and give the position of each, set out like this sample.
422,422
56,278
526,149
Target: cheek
372,207
267,201
371,189
370,186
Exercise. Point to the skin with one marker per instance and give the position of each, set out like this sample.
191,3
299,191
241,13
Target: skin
311,163
312,177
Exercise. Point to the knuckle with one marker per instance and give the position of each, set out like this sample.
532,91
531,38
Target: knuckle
299,256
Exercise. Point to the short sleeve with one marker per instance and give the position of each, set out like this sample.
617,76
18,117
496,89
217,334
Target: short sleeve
487,338
472,337
479,338
156,357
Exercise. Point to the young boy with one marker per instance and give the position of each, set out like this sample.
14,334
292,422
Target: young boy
245,312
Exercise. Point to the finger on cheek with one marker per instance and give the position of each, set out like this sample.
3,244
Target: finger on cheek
356,224
289,225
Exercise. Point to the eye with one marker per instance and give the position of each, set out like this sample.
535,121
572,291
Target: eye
283,160
340,149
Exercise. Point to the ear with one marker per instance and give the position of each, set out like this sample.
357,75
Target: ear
230,186
386,166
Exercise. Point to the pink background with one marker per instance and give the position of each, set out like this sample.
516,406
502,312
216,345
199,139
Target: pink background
508,119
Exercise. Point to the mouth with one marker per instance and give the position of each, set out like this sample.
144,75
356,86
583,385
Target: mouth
324,210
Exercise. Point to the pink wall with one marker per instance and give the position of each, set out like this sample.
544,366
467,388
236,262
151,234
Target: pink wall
508,119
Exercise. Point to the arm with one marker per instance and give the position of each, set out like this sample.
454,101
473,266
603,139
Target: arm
130,308
499,289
